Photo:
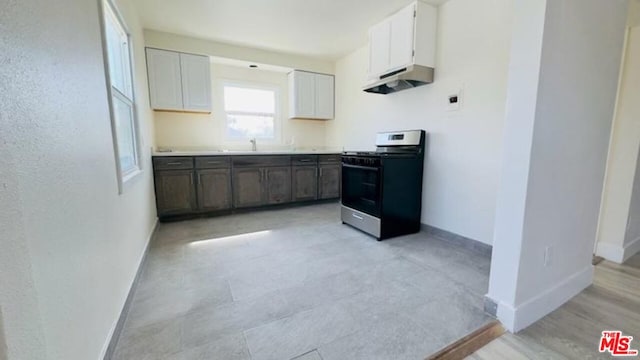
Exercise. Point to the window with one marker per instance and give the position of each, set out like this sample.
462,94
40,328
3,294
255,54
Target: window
250,112
120,81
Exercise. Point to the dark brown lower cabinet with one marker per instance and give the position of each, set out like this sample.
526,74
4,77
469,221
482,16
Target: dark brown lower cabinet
247,187
304,183
277,184
329,179
214,189
257,186
206,184
175,192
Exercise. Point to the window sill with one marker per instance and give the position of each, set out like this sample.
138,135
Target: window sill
128,180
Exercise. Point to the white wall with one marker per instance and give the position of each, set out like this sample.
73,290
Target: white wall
524,70
618,236
463,147
634,13
632,236
192,131
70,244
629,109
569,135
3,343
22,322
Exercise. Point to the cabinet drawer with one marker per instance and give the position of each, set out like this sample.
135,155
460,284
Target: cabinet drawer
304,160
173,163
333,158
261,160
212,162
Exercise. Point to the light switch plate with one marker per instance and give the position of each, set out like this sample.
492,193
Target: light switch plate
454,99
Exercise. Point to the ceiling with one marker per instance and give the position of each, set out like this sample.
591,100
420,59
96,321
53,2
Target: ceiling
326,29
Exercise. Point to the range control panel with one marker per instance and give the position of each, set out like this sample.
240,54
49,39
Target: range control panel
400,138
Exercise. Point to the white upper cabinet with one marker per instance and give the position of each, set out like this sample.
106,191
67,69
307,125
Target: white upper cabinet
302,89
401,44
379,42
324,96
196,82
406,38
179,81
165,89
311,95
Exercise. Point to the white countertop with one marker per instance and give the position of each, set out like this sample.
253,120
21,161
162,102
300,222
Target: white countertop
241,152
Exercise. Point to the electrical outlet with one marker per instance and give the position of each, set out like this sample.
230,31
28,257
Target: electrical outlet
547,256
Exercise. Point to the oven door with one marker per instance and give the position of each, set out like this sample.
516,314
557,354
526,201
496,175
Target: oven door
361,188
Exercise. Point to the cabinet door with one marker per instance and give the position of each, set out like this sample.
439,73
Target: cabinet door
247,187
304,183
165,87
214,189
303,94
379,41
324,96
329,181
401,44
175,192
278,186
196,82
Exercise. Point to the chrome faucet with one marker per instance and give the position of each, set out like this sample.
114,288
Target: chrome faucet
253,144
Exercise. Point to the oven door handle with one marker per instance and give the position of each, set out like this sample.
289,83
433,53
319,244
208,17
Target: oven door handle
361,167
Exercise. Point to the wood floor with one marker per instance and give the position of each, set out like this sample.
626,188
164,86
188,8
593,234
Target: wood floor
470,343
573,331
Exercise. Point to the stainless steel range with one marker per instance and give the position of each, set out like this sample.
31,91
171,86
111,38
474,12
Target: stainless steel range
382,190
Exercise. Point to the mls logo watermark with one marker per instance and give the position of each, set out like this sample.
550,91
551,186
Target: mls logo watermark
616,344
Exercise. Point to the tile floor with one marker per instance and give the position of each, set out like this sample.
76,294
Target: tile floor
297,284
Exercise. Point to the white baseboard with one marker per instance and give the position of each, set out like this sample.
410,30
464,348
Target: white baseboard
631,249
520,317
616,253
506,314
109,344
610,252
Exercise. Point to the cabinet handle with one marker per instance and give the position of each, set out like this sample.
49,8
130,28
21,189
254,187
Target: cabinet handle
174,163
305,160
261,174
316,172
320,172
214,162
198,180
357,216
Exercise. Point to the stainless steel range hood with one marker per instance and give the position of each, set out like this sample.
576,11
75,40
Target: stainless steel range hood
405,78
